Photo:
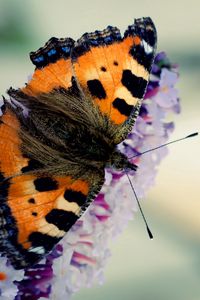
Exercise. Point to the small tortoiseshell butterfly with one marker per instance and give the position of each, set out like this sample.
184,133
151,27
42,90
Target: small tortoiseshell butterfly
60,131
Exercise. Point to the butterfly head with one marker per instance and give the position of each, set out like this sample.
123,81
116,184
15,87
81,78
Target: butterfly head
120,162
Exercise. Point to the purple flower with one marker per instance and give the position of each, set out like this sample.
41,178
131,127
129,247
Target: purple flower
8,287
167,95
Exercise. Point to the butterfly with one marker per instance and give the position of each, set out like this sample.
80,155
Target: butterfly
61,130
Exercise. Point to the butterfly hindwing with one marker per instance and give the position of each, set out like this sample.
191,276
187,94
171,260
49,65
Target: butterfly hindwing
34,222
36,210
44,213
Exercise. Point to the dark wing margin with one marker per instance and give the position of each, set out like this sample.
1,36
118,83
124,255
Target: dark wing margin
52,51
143,53
53,67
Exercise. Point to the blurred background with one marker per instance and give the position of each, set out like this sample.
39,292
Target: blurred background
168,267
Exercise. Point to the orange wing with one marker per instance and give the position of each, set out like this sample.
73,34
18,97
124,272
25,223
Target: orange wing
114,70
43,209
53,67
35,212
111,69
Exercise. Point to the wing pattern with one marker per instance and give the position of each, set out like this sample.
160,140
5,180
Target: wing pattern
82,101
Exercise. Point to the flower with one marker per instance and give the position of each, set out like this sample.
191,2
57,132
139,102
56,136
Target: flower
167,96
79,260
8,277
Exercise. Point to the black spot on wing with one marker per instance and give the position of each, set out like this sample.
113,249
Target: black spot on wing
39,239
61,218
135,85
96,88
33,164
73,89
103,69
143,58
31,200
122,106
73,196
44,184
4,186
34,214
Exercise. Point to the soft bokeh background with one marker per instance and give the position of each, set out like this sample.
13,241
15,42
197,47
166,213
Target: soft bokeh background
168,267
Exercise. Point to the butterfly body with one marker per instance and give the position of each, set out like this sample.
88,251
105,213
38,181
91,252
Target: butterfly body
60,132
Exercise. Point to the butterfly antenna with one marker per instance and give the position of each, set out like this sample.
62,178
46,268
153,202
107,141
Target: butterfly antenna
136,197
178,140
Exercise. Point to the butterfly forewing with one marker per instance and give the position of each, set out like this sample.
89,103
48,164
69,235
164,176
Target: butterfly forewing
114,70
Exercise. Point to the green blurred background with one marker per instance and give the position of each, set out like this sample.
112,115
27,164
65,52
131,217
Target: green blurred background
168,267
